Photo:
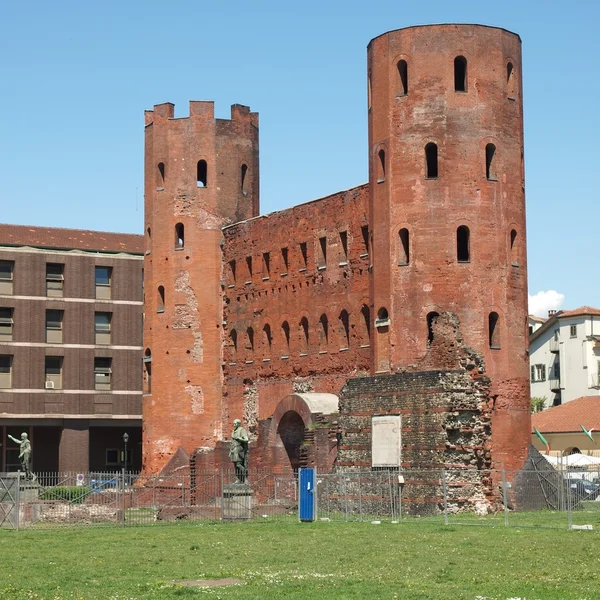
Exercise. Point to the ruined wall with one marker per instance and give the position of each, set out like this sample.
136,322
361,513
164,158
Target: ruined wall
296,313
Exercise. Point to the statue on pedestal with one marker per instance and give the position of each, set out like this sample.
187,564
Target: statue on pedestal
238,452
24,455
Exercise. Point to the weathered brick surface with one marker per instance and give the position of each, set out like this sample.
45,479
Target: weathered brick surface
311,297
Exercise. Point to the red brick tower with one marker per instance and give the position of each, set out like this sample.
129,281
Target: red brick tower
447,206
201,173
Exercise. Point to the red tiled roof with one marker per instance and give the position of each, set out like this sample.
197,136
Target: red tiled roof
55,237
567,417
582,310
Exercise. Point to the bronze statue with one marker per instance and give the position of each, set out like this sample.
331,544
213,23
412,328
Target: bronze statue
24,454
238,451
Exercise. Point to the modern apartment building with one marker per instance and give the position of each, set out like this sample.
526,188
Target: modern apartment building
71,311
564,356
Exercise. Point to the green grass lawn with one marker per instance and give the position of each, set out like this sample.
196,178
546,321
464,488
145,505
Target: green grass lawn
307,561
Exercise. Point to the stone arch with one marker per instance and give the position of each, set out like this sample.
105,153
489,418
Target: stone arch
294,414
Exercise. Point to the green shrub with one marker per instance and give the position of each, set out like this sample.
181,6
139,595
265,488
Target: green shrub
68,493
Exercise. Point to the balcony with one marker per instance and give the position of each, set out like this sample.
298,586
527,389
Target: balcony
554,346
554,384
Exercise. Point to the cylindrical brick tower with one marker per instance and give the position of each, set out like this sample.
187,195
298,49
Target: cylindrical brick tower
447,207
201,173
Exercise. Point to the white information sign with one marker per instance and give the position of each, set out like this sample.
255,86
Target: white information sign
385,441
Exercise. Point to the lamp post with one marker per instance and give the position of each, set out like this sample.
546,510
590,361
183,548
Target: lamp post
125,440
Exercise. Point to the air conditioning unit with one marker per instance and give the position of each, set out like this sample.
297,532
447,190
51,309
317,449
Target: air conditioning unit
49,385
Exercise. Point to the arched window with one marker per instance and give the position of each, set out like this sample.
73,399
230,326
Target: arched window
148,371
202,174
381,166
463,253
267,339
514,253
345,319
243,173
403,75
366,318
494,330
323,333
149,232
179,236
431,160
383,317
250,339
490,170
403,247
285,330
160,175
510,81
160,299
233,336
431,319
460,74
304,335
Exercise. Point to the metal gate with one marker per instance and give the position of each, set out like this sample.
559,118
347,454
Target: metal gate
308,497
9,502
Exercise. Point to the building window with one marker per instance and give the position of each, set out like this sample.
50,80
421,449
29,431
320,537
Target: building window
5,371
303,336
103,373
6,324
284,256
243,174
573,331
103,282
365,312
304,253
494,330
431,161
514,256
403,75
267,339
232,271
322,261
102,322
344,242
233,336
266,265
345,320
202,174
323,333
285,329
510,81
460,74
6,276
54,326
55,279
250,340
364,230
160,299
179,236
431,320
403,242
463,252
381,166
490,167
53,370
148,370
160,175
538,373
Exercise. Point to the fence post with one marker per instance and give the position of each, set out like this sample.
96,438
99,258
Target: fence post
445,492
505,497
18,501
123,497
569,505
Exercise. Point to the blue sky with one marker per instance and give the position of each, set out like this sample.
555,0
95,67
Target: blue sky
76,77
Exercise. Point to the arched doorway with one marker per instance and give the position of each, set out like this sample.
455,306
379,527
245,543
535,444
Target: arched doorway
291,432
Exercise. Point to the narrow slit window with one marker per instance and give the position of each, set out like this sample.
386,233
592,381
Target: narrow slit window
364,230
285,330
366,318
304,335
160,175
403,75
322,252
490,163
431,319
381,166
463,251
494,330
160,299
304,253
179,240
148,370
431,160
369,91
232,271
510,81
285,258
514,255
460,74
267,264
345,320
249,266
323,333
267,338
344,242
243,174
250,339
404,248
233,336
202,174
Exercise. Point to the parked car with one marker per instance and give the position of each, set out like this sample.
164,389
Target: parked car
585,490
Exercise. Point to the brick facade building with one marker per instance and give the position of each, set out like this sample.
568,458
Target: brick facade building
420,271
70,347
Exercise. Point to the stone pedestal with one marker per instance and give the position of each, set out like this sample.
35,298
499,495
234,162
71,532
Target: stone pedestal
237,502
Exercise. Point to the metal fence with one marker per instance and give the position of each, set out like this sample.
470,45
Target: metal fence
538,498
